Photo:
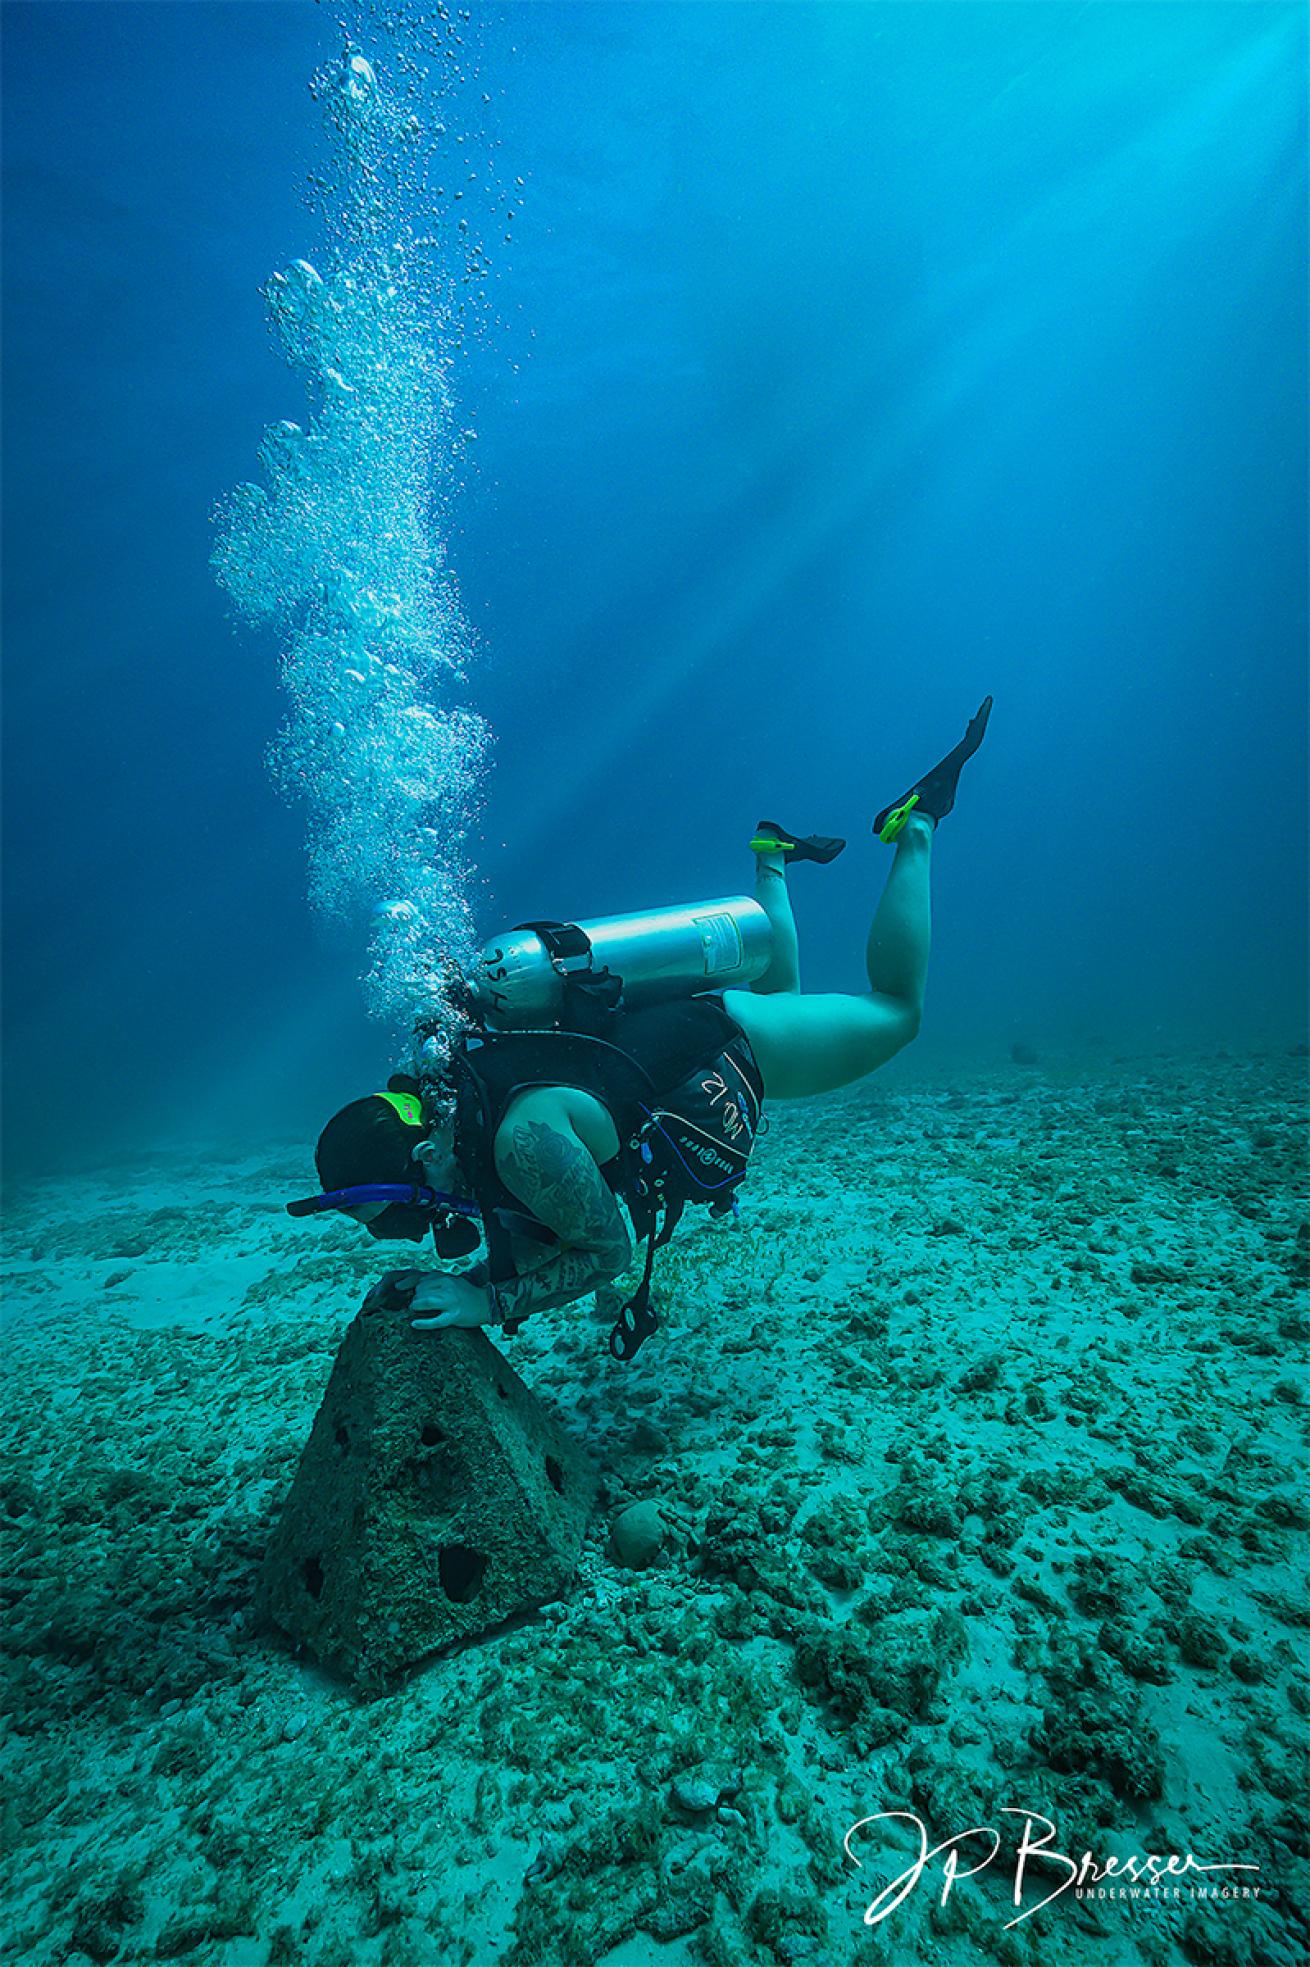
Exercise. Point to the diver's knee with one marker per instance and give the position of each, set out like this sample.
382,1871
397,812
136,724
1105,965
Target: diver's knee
893,1023
909,1017
909,1027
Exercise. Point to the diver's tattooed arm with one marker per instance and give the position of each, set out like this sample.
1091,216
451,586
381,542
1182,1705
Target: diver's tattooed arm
553,1175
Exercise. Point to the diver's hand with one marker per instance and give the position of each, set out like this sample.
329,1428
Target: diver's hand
393,1291
452,1300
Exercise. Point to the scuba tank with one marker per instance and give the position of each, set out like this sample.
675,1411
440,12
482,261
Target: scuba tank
527,976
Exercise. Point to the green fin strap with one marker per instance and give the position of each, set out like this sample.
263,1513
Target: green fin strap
896,819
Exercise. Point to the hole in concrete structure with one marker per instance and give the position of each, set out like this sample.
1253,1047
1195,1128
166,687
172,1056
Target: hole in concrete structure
460,1570
343,1435
432,1435
312,1568
501,1391
554,1475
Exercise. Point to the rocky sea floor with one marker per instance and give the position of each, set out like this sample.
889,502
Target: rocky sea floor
979,1441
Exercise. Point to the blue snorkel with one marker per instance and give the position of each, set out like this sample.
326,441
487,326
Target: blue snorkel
408,1211
366,1193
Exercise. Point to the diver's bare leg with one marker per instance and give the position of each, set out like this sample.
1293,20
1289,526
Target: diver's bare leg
784,971
897,955
808,1045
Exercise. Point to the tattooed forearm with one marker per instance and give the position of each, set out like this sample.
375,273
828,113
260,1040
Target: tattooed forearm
553,1175
558,1281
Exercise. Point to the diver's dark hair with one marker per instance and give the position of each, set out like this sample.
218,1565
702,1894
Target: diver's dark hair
368,1142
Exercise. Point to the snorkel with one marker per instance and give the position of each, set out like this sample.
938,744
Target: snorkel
452,1218
365,1193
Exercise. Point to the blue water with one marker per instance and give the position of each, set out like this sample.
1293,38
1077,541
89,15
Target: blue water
845,364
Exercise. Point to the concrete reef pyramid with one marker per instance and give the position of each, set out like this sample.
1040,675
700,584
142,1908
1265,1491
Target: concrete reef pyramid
435,1497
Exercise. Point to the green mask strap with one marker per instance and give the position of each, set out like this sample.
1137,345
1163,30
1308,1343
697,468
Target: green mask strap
407,1105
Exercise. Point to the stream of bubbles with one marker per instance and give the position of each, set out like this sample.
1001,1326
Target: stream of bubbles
342,549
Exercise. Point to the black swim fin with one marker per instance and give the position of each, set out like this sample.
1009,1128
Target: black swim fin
770,838
934,793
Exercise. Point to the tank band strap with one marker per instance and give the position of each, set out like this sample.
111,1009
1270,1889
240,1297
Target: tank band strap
565,942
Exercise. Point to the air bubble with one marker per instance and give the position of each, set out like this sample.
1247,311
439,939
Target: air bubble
341,552
361,82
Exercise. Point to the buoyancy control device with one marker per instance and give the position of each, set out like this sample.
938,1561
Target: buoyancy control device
687,1114
688,1141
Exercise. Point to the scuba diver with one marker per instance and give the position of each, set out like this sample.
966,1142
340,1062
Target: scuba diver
575,1086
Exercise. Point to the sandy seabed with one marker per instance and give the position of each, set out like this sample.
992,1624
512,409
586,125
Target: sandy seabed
982,1432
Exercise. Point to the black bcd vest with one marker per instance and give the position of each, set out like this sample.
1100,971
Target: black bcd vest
682,1087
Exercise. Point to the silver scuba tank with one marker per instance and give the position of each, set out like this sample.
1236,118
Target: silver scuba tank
520,978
